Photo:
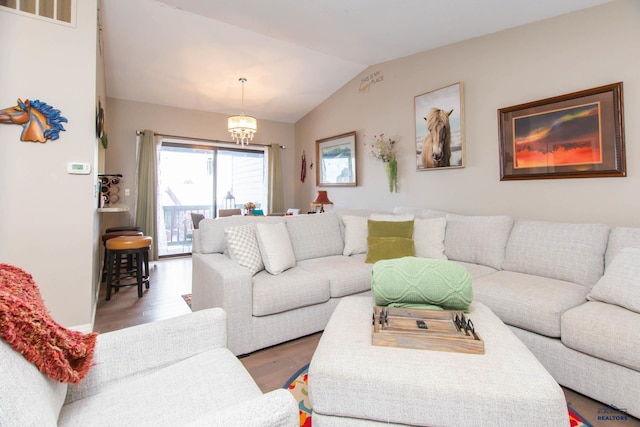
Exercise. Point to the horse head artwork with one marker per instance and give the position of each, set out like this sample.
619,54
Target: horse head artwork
39,121
436,148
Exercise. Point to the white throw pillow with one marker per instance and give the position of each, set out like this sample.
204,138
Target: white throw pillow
392,217
620,284
356,230
275,247
428,235
242,246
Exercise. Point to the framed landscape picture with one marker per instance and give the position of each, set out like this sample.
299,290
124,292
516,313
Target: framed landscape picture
578,135
439,119
336,158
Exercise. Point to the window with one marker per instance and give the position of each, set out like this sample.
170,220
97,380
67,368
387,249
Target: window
241,174
56,10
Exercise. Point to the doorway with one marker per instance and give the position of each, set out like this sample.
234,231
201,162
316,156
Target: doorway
203,179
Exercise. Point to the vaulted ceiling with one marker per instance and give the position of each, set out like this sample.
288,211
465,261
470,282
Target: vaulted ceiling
293,53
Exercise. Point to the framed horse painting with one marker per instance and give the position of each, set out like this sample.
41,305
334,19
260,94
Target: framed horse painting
439,119
578,135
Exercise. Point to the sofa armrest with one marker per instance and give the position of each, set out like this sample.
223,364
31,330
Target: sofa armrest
277,408
138,350
218,281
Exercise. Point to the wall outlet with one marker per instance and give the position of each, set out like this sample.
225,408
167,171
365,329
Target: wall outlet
127,192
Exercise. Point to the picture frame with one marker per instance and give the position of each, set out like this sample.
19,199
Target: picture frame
577,135
336,161
439,109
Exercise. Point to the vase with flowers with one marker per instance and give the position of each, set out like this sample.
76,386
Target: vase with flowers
249,207
384,149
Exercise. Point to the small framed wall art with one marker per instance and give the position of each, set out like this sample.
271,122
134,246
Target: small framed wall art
336,161
578,135
439,119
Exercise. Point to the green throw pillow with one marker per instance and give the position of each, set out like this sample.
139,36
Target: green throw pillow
380,248
391,229
412,281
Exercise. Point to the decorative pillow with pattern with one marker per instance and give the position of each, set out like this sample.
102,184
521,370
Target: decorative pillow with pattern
243,248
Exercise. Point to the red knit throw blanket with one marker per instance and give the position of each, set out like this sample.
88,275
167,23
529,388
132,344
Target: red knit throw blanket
62,354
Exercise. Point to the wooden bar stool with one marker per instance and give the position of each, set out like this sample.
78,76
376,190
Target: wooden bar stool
138,248
123,228
110,235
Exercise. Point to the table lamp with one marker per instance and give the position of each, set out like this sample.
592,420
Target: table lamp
322,199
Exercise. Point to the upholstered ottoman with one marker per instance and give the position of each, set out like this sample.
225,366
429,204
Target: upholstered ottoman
354,383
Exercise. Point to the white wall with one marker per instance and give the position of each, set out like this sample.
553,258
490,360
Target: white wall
569,53
47,216
125,117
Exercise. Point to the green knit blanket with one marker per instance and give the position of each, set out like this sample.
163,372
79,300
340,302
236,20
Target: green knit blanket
435,284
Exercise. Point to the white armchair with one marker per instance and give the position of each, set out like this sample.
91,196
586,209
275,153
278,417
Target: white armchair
167,373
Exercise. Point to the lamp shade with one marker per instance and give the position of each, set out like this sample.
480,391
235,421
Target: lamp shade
322,198
242,128
242,123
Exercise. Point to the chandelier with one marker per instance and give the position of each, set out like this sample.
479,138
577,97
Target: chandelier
242,127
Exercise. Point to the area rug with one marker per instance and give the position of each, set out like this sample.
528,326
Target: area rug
187,299
298,384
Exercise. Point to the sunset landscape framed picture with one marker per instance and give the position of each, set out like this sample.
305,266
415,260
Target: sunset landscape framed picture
578,135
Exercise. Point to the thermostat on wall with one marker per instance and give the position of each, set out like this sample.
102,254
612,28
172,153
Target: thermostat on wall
79,168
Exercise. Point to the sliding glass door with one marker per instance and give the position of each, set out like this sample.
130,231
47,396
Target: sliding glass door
203,179
186,181
240,178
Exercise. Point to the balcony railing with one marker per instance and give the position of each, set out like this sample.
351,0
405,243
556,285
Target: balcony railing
178,225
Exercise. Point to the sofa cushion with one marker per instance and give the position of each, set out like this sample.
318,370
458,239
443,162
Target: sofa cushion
211,238
476,270
477,239
619,238
534,303
181,394
385,228
421,282
620,284
355,234
314,236
391,217
604,331
571,252
292,289
347,275
380,248
390,236
275,247
242,244
419,212
428,236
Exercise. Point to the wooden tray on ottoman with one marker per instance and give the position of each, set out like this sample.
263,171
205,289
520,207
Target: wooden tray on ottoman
438,330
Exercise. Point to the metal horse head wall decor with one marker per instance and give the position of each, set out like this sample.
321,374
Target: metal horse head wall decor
39,121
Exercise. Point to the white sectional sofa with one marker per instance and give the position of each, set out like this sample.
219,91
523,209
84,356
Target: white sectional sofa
538,277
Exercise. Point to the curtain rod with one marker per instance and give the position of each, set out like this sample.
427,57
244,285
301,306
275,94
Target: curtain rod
139,133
